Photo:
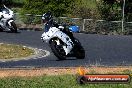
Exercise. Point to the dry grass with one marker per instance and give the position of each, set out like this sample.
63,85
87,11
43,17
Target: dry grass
62,71
8,51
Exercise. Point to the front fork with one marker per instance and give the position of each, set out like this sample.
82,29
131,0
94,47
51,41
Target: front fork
9,23
6,24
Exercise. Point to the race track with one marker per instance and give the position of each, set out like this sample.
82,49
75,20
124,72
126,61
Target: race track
101,50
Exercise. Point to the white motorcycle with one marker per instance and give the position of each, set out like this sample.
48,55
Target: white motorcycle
7,21
62,45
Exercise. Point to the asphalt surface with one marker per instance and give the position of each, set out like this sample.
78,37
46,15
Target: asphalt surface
101,50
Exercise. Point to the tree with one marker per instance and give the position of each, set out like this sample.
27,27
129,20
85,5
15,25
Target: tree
85,9
109,9
58,7
39,7
128,10
12,3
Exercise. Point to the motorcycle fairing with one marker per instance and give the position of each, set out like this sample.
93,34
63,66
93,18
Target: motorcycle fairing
7,18
7,13
48,35
55,32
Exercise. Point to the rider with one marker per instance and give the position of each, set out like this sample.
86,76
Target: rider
1,6
1,14
47,19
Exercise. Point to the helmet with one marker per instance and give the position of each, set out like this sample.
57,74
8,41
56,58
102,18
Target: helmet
47,17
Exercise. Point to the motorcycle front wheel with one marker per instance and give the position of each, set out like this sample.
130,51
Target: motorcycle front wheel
58,50
13,27
1,30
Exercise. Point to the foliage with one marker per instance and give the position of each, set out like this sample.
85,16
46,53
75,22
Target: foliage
112,9
109,10
128,10
57,7
95,9
86,9
12,3
39,7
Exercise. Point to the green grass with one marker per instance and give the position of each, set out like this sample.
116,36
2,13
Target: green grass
63,81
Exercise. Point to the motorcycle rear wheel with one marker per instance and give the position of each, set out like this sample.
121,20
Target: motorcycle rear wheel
58,50
79,51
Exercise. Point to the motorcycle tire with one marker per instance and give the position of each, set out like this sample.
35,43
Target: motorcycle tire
14,27
80,53
1,30
58,52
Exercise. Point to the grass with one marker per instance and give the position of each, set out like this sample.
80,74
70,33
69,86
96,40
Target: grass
59,81
8,51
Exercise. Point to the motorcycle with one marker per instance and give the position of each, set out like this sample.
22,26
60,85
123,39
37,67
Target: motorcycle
7,21
62,42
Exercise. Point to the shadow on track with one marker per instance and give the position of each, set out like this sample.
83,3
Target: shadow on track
10,32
